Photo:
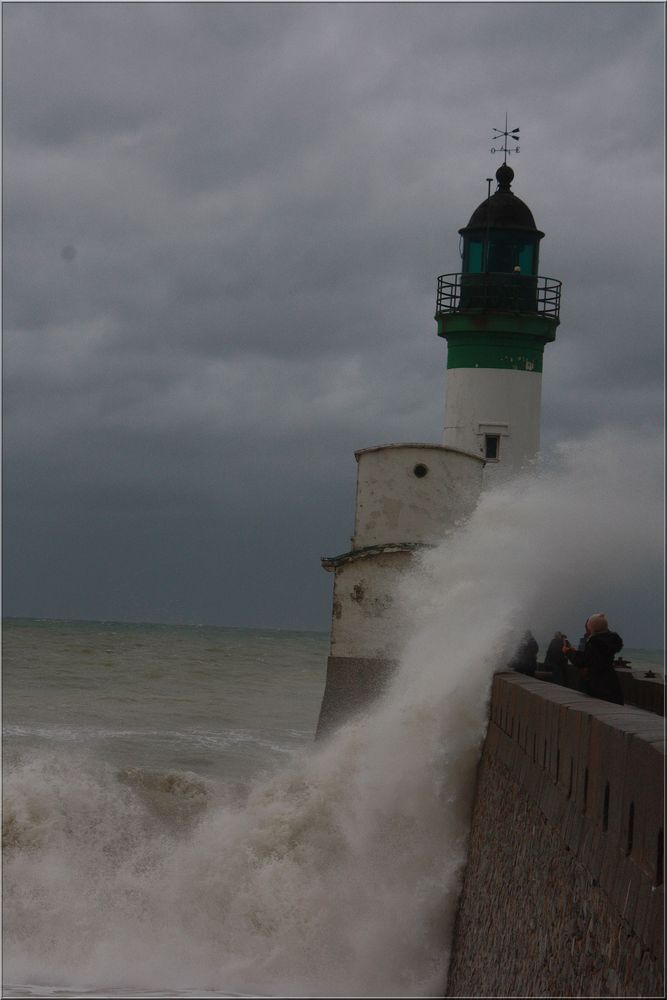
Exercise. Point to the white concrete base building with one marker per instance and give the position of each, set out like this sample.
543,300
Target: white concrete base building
408,495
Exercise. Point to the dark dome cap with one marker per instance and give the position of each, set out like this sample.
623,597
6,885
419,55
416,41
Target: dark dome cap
503,210
504,176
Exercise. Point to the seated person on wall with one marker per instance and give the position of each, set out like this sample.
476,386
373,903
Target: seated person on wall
555,659
595,662
525,658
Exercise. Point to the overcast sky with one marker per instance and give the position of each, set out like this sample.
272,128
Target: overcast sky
223,227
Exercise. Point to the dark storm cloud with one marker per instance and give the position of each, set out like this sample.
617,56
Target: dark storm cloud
222,230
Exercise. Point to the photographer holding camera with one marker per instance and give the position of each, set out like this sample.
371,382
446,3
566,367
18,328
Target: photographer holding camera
595,662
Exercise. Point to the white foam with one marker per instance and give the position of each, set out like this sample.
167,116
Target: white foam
32,990
217,739
340,873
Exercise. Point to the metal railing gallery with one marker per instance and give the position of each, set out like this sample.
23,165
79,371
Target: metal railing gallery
500,292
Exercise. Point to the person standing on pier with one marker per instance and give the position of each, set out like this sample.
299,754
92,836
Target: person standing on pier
595,662
525,657
555,659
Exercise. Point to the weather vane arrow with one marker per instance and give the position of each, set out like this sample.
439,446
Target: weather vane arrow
508,136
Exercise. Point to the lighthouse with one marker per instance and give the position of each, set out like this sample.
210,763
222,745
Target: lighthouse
496,315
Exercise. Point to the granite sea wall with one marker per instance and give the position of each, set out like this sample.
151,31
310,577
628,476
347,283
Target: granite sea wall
563,893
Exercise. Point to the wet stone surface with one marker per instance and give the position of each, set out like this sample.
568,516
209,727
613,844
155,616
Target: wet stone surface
533,921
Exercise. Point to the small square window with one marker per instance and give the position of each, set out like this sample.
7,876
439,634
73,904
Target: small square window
491,447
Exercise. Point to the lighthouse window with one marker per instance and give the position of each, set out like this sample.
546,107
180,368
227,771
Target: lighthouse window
474,264
508,251
525,257
420,470
501,255
491,447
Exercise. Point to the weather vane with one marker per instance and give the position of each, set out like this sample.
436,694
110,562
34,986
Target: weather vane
508,136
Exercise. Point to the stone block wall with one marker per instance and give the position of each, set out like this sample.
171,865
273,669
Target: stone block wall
563,893
640,692
643,692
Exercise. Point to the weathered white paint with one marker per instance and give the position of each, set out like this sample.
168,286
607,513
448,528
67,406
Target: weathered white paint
367,620
481,401
396,505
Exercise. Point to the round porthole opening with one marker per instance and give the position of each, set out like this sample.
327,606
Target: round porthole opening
420,470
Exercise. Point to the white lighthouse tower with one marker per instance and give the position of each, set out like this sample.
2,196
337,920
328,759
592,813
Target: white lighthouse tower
496,315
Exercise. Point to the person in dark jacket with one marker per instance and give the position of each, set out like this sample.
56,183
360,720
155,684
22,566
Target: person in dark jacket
574,678
582,642
595,662
525,658
555,659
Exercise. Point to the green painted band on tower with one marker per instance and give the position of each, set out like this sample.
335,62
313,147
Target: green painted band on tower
493,340
520,356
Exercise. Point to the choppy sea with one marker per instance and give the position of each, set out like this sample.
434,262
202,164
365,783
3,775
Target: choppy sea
118,740
166,832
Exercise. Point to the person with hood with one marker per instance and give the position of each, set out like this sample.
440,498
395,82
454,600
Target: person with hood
525,657
555,659
595,662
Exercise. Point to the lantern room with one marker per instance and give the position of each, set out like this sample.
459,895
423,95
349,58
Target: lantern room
501,236
500,251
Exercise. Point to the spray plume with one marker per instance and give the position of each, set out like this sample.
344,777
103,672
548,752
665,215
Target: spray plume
340,873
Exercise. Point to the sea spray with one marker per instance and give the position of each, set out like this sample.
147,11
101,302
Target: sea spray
340,873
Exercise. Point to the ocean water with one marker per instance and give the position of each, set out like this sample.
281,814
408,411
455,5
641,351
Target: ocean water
644,661
118,739
170,828
224,703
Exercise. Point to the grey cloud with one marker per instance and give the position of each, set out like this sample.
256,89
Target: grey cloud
261,197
